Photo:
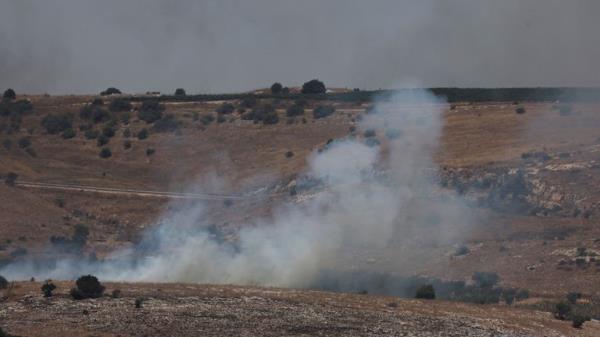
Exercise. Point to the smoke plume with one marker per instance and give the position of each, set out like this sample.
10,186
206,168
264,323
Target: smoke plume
372,196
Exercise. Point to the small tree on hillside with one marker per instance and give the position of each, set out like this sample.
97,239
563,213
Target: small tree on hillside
313,87
47,288
276,88
9,94
87,286
180,92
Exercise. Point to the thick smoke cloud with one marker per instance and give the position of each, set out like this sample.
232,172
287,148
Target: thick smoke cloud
83,46
372,197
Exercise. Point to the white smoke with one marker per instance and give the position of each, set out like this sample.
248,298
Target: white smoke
373,196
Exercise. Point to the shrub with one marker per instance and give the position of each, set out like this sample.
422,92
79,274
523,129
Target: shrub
102,140
55,124
508,294
572,297
87,287
94,113
369,133
108,131
289,154
3,282
323,111
47,288
127,133
24,142
313,87
180,92
138,303
520,110
578,321
80,235
295,110
225,108
248,102
561,310
9,94
91,134
125,117
120,104
68,134
143,134
207,118
462,250
127,144
116,293
220,119
110,91
485,279
426,292
276,88
105,152
522,294
150,151
151,111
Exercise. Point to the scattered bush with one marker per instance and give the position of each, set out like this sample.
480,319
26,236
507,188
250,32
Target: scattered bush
225,108
426,292
285,90
125,117
578,321
75,243
289,154
485,279
220,119
127,144
10,178
522,294
248,102
68,134
116,293
151,111
120,104
276,88
206,119
265,114
55,124
562,309
3,282
87,287
180,92
143,134
127,133
47,288
9,94
520,110
24,142
372,142
91,134
105,152
110,91
138,303
508,295
102,140
369,133
295,110
462,250
150,151
166,124
313,87
323,111
108,131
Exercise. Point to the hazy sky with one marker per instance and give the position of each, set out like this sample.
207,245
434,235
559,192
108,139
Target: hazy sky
83,46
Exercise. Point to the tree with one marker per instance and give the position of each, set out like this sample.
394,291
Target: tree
102,140
55,124
313,87
572,297
110,91
323,111
180,92
578,321
562,310
151,111
68,134
276,88
87,286
9,94
426,292
47,288
3,282
485,279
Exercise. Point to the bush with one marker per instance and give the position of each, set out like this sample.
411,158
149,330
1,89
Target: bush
91,134
578,321
68,134
369,133
522,294
47,288
87,287
150,151
151,111
520,110
94,112
462,250
143,134
248,102
220,119
572,297
276,88
225,108
116,293
24,142
80,235
206,119
110,91
180,92
102,140
562,310
9,94
285,90
289,154
120,104
3,282
323,111
485,279
105,153
426,292
127,133
108,131
265,114
313,87
295,110
127,144
55,124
